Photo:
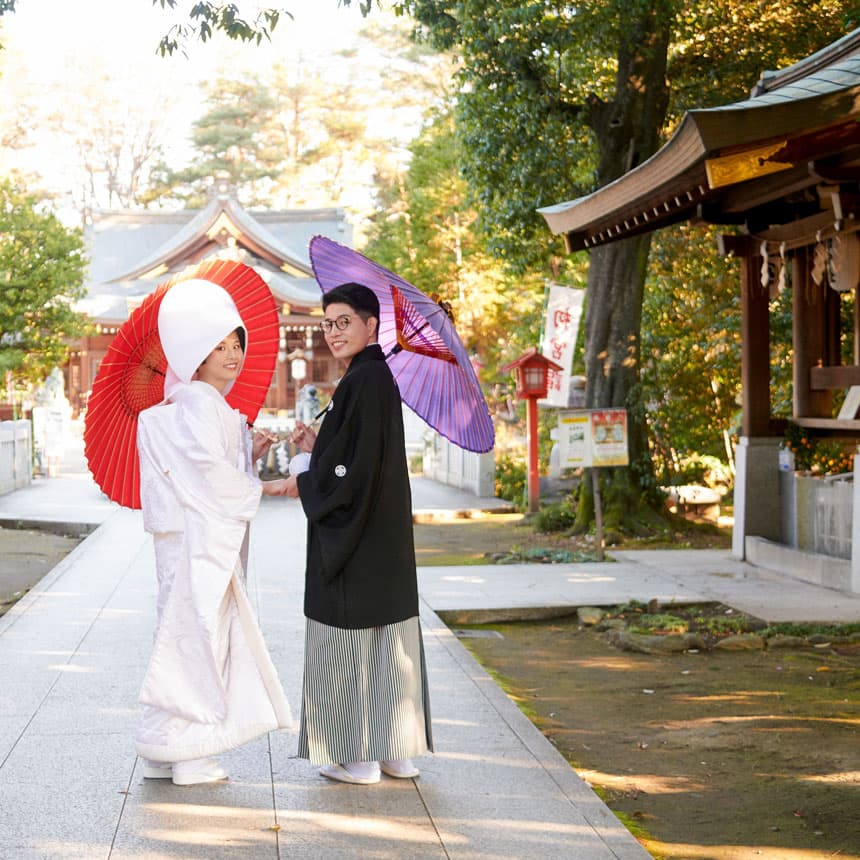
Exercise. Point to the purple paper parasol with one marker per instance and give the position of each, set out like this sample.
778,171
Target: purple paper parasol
425,354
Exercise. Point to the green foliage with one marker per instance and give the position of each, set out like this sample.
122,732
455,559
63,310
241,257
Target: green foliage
546,555
555,518
524,144
304,132
781,351
797,628
704,470
690,348
721,625
42,267
235,141
818,455
510,481
425,229
665,622
544,108
547,111
207,18
722,48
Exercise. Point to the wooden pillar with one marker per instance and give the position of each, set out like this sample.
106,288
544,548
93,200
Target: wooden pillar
809,337
833,330
755,336
857,324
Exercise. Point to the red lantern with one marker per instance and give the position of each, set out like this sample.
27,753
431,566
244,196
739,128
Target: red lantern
531,371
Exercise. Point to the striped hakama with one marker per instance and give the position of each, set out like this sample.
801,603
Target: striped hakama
365,695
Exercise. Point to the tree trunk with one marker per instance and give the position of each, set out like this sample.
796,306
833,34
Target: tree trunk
627,132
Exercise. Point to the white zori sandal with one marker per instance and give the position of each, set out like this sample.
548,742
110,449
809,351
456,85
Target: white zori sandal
197,771
401,768
156,769
354,772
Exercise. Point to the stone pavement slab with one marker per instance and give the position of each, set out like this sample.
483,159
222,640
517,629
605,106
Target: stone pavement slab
669,576
73,652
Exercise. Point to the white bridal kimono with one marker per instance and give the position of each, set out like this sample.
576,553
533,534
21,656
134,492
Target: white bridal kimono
210,685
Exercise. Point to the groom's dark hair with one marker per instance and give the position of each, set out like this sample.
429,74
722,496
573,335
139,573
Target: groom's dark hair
362,299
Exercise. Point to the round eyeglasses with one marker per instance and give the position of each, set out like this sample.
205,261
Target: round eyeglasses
341,323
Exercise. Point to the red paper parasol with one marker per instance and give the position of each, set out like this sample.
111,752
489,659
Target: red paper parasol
428,360
131,375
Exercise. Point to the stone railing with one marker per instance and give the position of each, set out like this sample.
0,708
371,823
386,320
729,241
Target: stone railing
446,463
16,455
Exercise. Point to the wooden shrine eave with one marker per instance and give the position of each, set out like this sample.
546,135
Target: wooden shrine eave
728,165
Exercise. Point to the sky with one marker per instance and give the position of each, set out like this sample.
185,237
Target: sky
48,44
124,35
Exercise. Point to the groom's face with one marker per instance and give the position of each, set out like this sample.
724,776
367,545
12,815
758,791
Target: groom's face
346,333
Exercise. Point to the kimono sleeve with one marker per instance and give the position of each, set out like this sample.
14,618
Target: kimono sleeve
214,482
340,488
158,502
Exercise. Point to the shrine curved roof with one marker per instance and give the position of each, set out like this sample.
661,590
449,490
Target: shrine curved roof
131,251
799,115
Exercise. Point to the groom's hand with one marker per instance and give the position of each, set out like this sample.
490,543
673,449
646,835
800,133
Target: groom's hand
292,487
278,487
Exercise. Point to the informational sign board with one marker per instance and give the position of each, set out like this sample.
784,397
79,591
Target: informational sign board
592,438
574,439
561,326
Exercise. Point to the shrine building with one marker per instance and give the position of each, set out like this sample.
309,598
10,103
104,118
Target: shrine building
782,170
133,251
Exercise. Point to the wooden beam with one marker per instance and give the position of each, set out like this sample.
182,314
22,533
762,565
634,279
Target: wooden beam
712,214
834,172
801,231
731,245
833,377
857,325
809,338
852,424
832,328
755,349
759,192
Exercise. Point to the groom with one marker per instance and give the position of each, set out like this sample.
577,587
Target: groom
365,702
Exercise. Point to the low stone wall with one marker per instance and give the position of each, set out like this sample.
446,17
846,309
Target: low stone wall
816,568
824,509
448,464
16,455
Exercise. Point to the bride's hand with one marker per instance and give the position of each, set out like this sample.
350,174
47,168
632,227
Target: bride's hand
278,487
262,440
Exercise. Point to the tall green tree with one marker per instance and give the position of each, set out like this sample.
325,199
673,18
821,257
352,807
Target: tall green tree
558,99
42,268
425,229
235,142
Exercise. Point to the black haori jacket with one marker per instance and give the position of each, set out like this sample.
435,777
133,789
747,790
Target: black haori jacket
360,553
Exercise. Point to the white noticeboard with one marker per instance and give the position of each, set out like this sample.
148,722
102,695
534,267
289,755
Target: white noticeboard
592,438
